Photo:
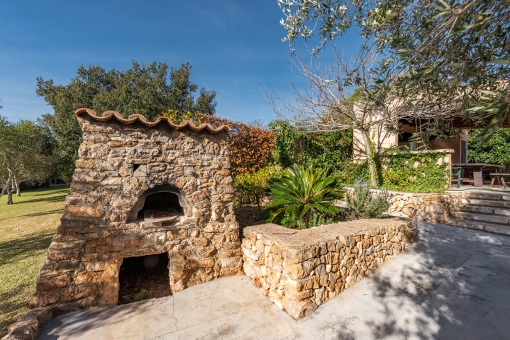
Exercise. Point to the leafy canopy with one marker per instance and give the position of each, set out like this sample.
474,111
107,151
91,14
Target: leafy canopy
144,89
25,153
453,55
494,151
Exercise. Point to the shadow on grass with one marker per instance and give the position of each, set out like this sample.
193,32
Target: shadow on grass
10,305
42,213
46,191
59,198
22,248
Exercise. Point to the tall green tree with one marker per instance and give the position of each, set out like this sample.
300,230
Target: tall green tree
454,55
149,90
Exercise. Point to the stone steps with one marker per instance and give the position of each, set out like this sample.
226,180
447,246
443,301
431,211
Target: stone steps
486,211
484,226
461,215
484,195
487,203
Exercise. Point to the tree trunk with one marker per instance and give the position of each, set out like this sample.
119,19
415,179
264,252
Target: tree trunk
9,197
4,190
16,185
369,149
7,188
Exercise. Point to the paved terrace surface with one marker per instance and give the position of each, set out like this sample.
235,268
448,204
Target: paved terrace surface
453,284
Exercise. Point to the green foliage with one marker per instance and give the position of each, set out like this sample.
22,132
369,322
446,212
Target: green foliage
253,187
403,170
349,171
143,89
141,294
326,150
301,193
447,52
181,96
318,219
362,203
496,150
178,117
25,153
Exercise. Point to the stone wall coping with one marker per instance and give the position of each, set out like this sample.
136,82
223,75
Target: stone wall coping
185,124
430,151
394,193
297,238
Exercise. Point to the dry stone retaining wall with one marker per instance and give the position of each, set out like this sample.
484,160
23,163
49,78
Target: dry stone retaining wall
300,270
428,207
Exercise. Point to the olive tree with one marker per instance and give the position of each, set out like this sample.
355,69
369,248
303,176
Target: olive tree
354,93
25,154
453,53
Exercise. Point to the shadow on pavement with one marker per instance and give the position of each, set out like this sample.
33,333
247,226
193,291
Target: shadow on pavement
454,285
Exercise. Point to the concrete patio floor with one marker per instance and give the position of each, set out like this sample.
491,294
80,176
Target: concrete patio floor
453,284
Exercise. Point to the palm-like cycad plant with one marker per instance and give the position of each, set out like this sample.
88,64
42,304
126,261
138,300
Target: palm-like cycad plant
303,193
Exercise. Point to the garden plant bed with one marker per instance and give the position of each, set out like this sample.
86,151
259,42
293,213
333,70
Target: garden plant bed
301,269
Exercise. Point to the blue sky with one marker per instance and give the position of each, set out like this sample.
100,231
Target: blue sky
234,47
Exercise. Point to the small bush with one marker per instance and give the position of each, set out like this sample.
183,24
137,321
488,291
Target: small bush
363,204
253,187
249,146
318,219
304,197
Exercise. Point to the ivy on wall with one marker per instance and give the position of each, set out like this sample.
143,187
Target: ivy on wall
403,170
324,150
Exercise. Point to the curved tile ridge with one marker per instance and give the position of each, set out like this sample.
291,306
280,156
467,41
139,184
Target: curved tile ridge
111,114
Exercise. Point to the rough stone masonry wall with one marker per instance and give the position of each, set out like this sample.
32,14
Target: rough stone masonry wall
97,229
300,270
422,206
427,207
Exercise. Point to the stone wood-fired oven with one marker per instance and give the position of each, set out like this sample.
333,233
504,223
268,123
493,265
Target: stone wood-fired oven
142,188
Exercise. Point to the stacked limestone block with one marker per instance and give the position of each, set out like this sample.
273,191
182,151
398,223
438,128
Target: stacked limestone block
300,270
427,207
422,206
120,163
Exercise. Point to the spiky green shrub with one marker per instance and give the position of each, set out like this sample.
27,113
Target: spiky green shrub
362,203
303,197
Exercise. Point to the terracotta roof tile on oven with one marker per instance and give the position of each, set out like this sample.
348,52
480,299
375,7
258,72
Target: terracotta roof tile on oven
111,114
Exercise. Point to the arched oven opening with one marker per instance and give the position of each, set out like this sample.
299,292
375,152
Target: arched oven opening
160,205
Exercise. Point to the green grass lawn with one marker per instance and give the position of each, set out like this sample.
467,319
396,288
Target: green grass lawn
26,229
